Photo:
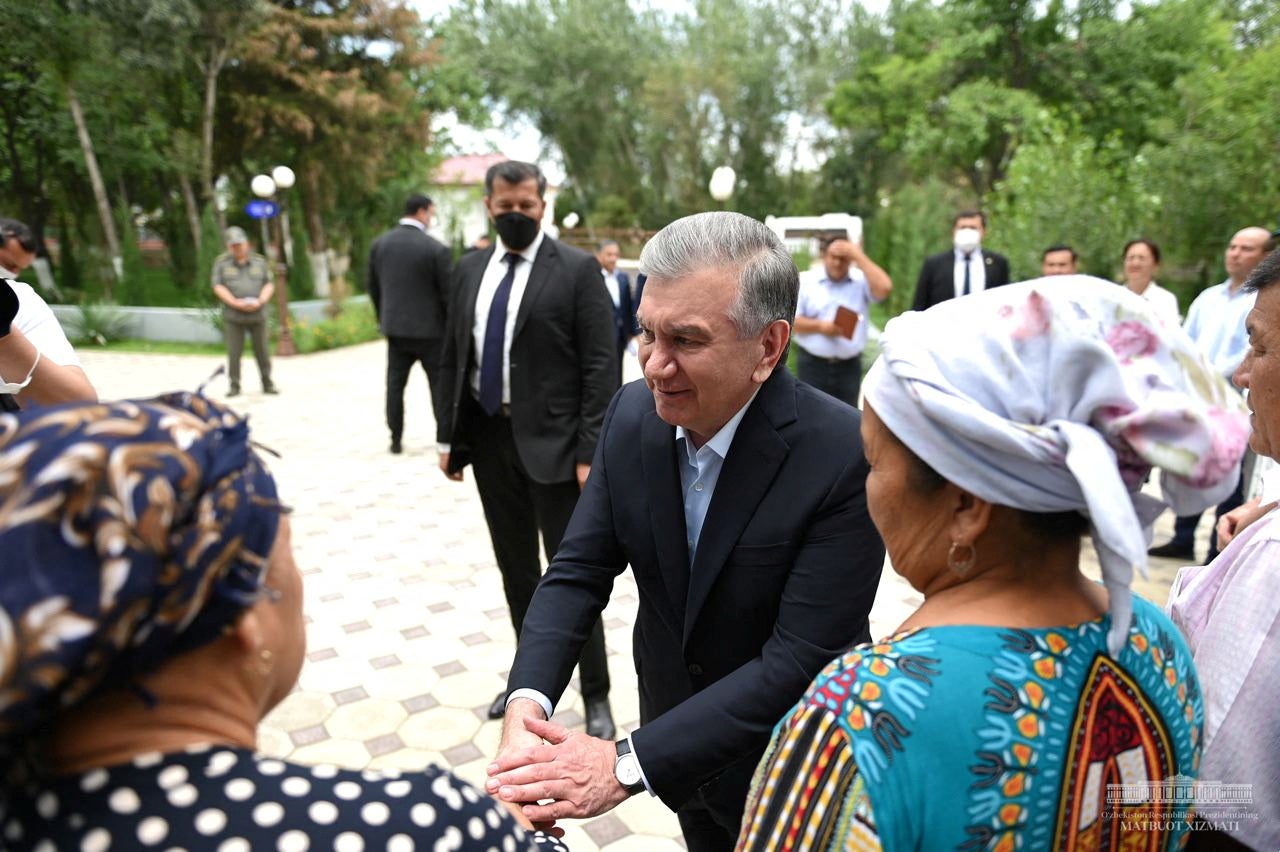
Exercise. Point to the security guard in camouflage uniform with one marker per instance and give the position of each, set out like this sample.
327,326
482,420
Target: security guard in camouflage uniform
242,281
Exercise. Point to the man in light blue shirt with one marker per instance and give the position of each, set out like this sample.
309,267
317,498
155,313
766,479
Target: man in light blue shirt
827,359
1216,323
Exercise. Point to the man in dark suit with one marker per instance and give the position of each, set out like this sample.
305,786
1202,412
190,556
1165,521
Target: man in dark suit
737,495
409,286
618,285
527,371
966,268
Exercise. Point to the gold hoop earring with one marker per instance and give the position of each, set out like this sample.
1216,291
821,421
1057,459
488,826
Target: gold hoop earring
961,566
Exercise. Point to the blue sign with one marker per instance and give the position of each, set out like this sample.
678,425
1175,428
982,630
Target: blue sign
261,209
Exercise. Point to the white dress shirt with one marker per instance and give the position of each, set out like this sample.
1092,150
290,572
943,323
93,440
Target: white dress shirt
493,275
977,272
611,284
699,473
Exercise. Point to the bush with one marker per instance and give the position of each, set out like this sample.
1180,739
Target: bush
100,324
356,324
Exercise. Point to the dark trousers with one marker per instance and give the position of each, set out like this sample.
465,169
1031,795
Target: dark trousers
516,508
402,354
235,332
702,831
1184,526
842,379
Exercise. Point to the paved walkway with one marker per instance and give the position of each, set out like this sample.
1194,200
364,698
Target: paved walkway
408,633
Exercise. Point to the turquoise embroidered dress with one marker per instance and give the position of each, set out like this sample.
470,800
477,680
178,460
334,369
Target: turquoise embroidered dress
972,737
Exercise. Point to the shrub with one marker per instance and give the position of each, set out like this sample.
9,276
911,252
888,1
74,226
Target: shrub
101,324
356,324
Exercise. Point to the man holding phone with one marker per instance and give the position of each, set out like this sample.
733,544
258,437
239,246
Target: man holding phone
831,317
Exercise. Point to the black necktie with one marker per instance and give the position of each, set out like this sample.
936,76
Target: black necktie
967,258
495,332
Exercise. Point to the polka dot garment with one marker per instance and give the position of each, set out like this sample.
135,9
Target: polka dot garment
231,800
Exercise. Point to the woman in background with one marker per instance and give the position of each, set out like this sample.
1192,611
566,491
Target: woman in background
1141,262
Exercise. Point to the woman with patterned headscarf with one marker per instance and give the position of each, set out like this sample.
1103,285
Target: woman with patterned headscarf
1021,706
150,616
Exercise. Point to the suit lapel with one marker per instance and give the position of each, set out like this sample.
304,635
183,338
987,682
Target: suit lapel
471,291
756,454
546,258
666,506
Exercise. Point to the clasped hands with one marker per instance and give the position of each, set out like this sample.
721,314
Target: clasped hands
571,769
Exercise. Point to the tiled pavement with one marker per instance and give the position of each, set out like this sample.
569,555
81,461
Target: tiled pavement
408,634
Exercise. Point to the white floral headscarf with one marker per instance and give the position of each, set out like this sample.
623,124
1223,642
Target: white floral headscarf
1061,394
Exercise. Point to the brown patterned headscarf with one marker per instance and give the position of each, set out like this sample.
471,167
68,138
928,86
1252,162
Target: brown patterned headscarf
129,533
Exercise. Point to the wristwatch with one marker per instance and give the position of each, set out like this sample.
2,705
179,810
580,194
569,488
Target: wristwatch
627,769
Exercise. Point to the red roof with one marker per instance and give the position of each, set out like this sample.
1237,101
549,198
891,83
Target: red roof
466,170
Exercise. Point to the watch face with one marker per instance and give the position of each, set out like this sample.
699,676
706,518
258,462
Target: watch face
628,771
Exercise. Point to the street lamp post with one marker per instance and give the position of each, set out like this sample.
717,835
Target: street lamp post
265,186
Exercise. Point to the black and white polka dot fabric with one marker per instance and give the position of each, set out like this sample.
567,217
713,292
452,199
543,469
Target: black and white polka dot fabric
231,800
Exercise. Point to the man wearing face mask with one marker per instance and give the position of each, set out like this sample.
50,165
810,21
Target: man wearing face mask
37,363
527,370
967,268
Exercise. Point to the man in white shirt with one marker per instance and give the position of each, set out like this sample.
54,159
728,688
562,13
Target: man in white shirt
968,268
618,284
527,370
1216,322
37,363
1060,259
827,358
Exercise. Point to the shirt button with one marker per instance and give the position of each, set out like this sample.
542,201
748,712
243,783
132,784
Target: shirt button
697,486
695,669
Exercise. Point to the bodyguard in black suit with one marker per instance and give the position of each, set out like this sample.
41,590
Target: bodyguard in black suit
737,495
619,290
408,284
967,268
527,371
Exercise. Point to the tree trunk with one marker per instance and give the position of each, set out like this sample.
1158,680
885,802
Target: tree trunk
318,242
193,210
212,68
99,188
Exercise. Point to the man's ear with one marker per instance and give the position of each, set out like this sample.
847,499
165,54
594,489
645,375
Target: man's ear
774,342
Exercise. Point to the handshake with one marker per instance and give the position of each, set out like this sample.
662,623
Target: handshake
8,307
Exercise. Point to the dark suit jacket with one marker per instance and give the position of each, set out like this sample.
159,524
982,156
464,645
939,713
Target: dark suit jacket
783,579
408,283
563,365
937,282
624,313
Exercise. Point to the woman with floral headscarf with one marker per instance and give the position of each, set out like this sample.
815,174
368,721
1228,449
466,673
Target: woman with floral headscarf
150,616
1021,706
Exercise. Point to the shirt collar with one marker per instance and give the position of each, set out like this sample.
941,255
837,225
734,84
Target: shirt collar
413,223
528,253
722,440
973,255
5,273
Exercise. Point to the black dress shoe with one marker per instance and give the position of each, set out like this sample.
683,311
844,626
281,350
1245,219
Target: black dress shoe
1173,550
600,719
395,446
234,390
499,706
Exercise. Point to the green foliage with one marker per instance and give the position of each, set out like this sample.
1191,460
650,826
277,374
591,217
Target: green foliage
1067,189
210,247
913,222
302,283
356,324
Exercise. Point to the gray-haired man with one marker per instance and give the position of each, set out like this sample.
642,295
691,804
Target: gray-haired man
242,282
736,495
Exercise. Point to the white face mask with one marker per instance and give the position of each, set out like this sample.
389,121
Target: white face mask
967,239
